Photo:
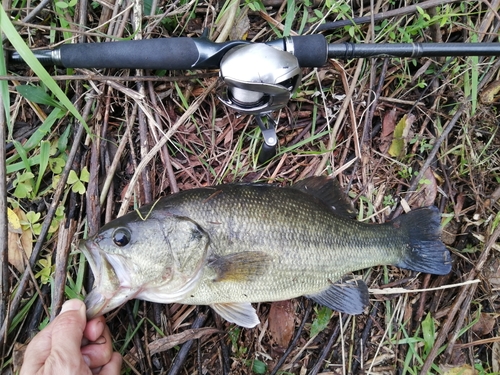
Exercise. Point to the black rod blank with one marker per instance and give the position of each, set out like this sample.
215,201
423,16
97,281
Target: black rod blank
352,50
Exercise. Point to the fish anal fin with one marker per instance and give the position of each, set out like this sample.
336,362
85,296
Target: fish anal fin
328,191
242,314
243,266
347,295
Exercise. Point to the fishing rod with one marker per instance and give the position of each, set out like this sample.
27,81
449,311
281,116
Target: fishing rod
258,78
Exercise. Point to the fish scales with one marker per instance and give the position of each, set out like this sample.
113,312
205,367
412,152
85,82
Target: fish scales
231,245
305,257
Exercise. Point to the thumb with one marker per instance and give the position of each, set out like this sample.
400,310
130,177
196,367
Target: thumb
68,327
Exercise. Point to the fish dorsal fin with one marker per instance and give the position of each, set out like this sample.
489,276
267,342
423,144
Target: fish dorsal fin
347,295
242,314
243,266
329,192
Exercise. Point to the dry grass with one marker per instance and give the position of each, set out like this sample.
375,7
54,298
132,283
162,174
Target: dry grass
156,136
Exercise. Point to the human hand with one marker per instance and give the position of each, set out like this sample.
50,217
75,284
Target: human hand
71,345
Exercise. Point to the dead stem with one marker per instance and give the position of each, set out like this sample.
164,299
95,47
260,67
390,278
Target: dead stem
4,250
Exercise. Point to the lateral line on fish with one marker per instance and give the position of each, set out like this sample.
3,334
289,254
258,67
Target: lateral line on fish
149,212
403,290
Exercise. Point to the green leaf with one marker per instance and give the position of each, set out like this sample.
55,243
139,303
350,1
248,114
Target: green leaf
318,13
61,4
23,184
78,187
23,190
428,332
23,177
56,165
72,177
321,321
44,161
84,175
36,94
398,141
24,156
62,143
33,217
259,367
4,92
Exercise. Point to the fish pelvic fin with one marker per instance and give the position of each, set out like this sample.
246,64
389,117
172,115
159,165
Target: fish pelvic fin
348,296
329,192
242,314
243,266
426,253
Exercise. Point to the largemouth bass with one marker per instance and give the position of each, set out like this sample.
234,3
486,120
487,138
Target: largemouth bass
230,245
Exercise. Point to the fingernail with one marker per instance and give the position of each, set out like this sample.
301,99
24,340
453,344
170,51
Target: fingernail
72,305
86,359
101,340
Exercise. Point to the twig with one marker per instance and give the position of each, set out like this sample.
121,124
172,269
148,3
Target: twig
35,11
4,250
382,16
65,238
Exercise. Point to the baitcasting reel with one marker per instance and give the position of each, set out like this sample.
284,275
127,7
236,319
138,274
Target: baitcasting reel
259,79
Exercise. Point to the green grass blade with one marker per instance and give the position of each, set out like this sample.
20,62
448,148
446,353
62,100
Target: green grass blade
26,163
4,92
44,162
22,313
36,94
18,43
290,17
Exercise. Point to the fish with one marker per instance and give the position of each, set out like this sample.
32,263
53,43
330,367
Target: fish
232,245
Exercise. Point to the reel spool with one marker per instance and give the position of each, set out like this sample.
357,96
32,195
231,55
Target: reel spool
259,79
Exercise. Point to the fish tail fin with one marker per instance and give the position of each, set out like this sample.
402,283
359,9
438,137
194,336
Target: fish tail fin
426,253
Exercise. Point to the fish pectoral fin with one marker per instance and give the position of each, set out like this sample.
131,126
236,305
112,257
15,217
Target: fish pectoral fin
243,266
347,295
242,314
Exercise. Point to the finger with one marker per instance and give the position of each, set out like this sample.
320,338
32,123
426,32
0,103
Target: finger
37,352
42,345
94,329
67,334
113,366
99,352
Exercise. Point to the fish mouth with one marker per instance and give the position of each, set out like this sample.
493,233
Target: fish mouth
108,292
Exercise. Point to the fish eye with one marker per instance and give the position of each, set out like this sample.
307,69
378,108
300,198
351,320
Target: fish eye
121,237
